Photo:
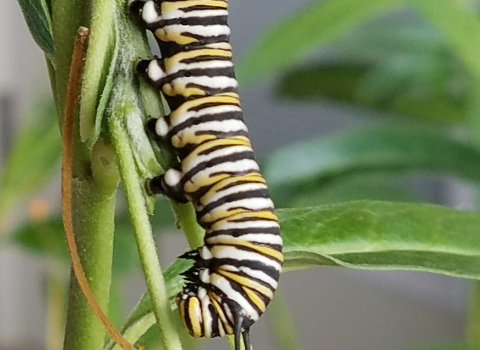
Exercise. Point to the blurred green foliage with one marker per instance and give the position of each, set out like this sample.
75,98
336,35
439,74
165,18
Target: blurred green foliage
416,62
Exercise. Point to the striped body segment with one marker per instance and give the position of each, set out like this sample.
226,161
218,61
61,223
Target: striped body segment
236,272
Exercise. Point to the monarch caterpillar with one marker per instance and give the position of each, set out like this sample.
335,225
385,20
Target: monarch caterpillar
236,271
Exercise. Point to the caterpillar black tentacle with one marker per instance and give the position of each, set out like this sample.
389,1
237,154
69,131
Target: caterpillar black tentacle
236,271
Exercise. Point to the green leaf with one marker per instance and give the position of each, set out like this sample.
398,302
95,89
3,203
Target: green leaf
387,37
366,186
402,67
390,150
45,237
38,20
398,89
362,235
383,236
460,27
338,81
292,37
33,158
419,86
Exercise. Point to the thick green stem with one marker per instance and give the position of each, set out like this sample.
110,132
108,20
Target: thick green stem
93,202
93,218
143,233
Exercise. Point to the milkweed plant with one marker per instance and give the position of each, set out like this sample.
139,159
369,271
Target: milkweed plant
339,197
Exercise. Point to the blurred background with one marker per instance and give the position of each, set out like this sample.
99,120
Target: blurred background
388,71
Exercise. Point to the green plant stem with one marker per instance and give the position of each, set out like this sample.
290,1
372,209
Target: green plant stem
143,233
231,342
282,323
55,302
135,331
473,316
93,211
187,219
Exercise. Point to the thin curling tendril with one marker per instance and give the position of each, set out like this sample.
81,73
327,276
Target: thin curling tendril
67,144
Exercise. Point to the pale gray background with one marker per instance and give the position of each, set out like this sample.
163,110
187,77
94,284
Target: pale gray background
333,309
